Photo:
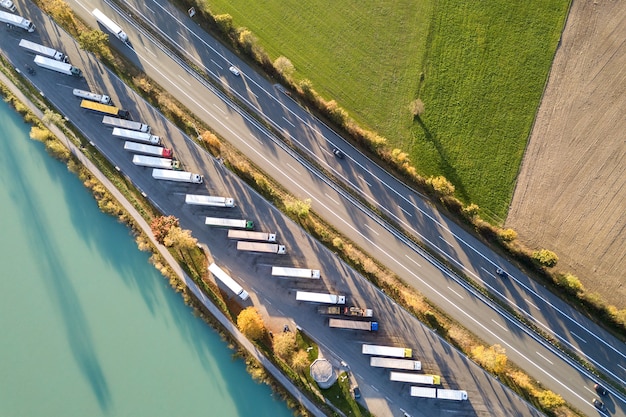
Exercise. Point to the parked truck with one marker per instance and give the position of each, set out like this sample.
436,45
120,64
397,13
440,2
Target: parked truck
396,352
279,271
8,4
393,363
423,392
148,149
317,297
136,136
248,235
345,311
43,50
178,176
61,67
225,279
17,21
125,124
451,394
265,247
110,25
103,108
155,162
370,326
88,95
209,200
423,379
221,222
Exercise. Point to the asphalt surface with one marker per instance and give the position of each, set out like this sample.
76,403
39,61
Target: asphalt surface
170,198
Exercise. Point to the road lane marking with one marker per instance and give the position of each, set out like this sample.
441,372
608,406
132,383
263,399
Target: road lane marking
546,359
414,261
292,167
621,366
460,296
288,121
182,36
578,337
388,399
147,7
445,241
364,180
183,80
501,326
377,234
217,65
218,107
374,388
332,199
405,212
150,52
531,303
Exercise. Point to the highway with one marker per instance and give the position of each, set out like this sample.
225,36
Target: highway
291,170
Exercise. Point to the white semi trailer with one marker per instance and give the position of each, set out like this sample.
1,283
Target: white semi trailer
370,326
423,392
451,394
249,235
221,222
265,247
423,379
43,51
228,281
88,95
154,162
396,352
280,271
177,176
317,297
148,149
393,363
8,4
136,136
110,25
17,21
209,200
125,124
54,65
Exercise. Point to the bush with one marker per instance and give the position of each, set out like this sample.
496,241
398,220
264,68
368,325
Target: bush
250,323
545,257
570,283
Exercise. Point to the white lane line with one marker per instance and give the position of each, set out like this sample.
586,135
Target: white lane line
501,326
388,399
414,261
182,36
288,121
578,337
332,199
149,8
546,359
374,388
268,301
405,212
183,80
217,65
151,53
375,232
621,366
257,139
218,107
459,295
292,167
445,241
364,180
531,303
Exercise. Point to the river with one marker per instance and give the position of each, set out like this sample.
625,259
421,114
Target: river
88,326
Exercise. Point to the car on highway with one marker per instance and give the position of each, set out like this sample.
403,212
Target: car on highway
598,404
501,273
600,389
357,393
234,70
338,153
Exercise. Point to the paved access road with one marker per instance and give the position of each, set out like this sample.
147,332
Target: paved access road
229,123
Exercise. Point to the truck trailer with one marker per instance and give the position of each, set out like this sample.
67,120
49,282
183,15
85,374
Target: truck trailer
209,200
148,149
125,124
43,50
423,379
17,21
423,392
136,136
155,162
279,271
110,25
61,67
265,247
228,281
103,108
248,235
396,352
345,311
317,297
8,4
221,222
178,176
451,394
393,363
370,326
88,95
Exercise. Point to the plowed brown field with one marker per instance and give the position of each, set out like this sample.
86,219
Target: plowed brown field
571,190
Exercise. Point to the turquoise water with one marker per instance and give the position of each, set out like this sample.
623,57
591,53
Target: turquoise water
88,327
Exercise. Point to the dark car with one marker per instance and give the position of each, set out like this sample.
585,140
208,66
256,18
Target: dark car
600,389
501,273
338,153
357,393
598,404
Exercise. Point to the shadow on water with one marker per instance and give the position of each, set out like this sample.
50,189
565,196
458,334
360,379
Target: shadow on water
47,256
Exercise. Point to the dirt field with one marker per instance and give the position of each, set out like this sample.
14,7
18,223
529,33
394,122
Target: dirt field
571,191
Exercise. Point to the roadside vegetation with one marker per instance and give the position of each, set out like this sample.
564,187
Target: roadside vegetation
194,259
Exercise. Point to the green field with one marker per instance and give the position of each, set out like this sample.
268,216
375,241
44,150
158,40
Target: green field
484,66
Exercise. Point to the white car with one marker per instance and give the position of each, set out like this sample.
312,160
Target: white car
234,70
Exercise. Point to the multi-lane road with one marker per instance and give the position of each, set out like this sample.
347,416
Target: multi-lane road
374,184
